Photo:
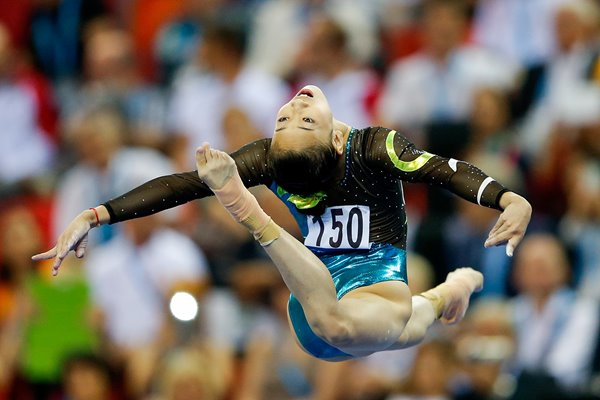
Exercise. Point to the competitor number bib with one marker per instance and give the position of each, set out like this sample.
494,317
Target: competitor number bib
343,227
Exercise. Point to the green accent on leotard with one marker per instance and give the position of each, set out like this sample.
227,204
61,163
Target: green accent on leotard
302,202
406,166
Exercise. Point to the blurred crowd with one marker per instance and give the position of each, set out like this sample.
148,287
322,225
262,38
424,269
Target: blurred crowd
98,96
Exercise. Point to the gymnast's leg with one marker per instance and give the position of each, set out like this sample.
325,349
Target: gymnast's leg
366,320
447,301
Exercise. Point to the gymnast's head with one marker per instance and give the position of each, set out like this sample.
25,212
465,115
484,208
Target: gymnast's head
306,146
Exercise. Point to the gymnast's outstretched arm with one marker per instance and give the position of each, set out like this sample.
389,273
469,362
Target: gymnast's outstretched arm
152,197
392,152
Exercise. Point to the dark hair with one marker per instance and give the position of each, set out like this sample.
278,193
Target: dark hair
228,35
303,172
90,360
459,7
336,35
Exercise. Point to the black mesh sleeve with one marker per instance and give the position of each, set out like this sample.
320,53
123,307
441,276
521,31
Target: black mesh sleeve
172,190
393,153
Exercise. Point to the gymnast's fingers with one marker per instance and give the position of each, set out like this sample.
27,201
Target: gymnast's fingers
81,246
499,238
57,262
498,225
46,255
510,246
514,242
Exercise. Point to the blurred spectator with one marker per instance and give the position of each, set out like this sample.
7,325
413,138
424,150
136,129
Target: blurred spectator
26,149
437,84
490,127
144,20
88,377
278,27
580,225
197,372
401,35
556,330
583,232
276,34
36,310
235,315
484,346
555,92
431,373
518,30
19,237
56,33
325,60
176,42
205,97
111,76
568,146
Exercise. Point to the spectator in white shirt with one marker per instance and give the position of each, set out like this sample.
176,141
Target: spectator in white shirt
564,88
25,150
437,84
278,27
520,30
556,330
111,75
133,275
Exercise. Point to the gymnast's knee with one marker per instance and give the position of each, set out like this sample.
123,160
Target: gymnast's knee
398,315
332,327
341,330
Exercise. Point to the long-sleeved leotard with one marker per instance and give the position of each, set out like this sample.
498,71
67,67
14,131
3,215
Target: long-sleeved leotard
377,160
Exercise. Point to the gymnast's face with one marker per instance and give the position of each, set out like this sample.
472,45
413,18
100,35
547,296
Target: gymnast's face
304,121
305,150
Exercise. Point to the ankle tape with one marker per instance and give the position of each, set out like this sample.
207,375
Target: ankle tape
436,300
267,234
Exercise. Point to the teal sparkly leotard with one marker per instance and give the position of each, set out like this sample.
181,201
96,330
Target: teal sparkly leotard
361,236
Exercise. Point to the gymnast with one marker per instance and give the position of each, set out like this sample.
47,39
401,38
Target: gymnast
349,294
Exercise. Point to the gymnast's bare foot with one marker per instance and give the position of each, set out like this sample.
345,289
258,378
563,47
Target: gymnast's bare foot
457,290
215,167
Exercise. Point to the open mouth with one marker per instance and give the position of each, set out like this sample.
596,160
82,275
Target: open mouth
305,92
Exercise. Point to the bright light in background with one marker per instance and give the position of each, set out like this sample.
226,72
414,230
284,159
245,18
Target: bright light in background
183,306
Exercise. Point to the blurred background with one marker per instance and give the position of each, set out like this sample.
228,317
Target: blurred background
98,96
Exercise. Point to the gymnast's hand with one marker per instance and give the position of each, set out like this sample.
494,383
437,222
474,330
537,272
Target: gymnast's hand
215,167
511,224
73,238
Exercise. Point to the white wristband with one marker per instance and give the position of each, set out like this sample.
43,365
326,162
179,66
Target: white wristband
482,187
